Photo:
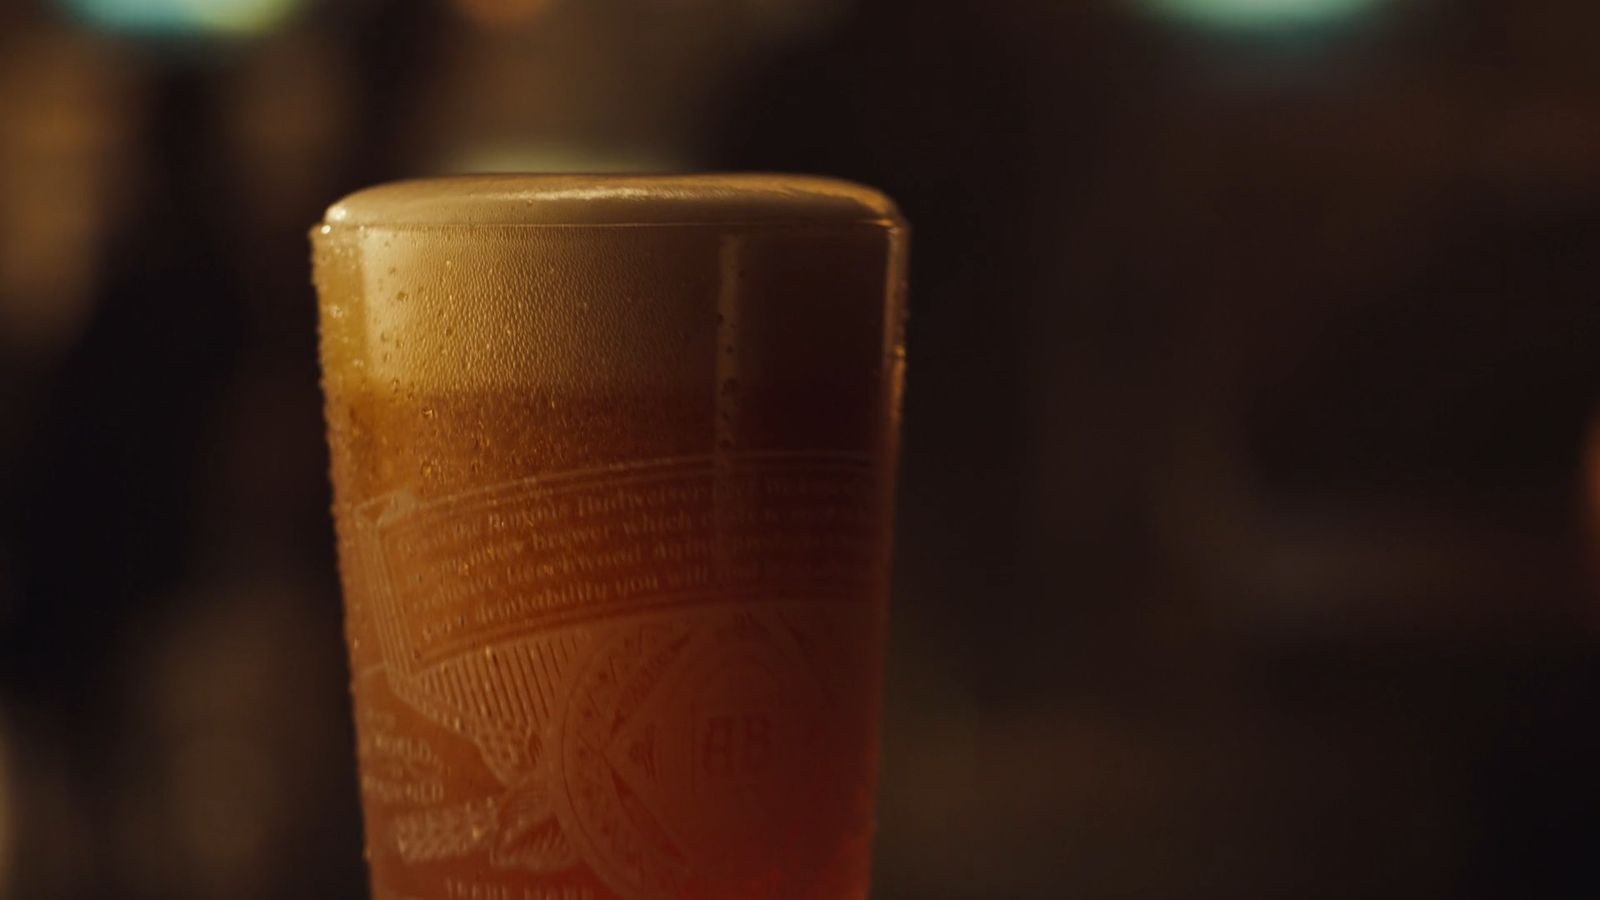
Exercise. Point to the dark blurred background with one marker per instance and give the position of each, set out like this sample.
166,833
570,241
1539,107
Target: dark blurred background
1244,544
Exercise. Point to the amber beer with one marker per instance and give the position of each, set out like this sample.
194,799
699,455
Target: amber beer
613,459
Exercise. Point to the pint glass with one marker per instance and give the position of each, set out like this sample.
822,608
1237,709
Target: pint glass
613,461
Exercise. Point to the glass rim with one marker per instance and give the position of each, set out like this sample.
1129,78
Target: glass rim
733,200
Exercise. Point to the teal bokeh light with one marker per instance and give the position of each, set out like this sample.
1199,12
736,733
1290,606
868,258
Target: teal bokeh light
1262,15
183,18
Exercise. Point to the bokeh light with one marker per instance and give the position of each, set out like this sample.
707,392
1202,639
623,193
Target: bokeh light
1262,15
179,18
69,103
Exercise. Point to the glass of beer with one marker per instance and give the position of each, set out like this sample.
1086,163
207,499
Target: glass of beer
613,461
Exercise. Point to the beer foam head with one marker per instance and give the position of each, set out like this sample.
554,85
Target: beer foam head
592,283
612,200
